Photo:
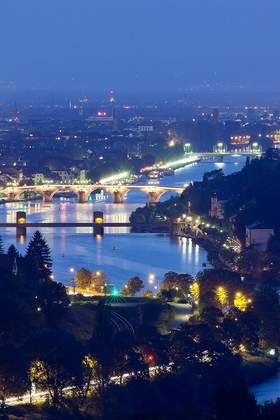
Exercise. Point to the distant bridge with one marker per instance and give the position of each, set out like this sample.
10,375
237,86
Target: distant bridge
21,225
223,152
83,191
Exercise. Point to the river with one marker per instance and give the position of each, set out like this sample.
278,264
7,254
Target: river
119,254
268,390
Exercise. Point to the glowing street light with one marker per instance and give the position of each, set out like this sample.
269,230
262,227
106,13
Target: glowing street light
171,143
72,271
151,278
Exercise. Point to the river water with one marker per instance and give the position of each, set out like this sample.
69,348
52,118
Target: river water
268,390
119,254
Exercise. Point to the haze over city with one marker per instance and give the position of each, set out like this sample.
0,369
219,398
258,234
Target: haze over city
139,210
140,46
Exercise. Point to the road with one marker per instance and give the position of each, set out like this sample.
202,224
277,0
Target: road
39,397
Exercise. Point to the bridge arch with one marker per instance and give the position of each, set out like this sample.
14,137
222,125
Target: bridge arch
136,195
4,196
97,193
29,194
50,195
152,194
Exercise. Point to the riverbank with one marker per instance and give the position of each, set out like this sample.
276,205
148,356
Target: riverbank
259,368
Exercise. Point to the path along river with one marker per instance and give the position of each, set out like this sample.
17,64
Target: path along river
121,254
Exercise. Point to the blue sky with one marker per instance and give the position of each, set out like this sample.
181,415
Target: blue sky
140,44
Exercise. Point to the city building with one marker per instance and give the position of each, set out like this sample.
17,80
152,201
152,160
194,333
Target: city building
38,178
145,128
240,140
217,208
258,235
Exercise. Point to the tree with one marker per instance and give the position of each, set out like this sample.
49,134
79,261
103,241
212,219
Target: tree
148,294
218,287
251,262
250,330
13,374
211,316
273,257
1,246
133,286
102,345
53,301
267,311
231,332
99,281
180,283
39,255
13,252
234,401
130,360
17,317
56,363
83,279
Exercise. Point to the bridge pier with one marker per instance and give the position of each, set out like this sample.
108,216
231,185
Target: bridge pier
98,220
118,197
21,224
47,196
118,192
12,196
82,197
154,197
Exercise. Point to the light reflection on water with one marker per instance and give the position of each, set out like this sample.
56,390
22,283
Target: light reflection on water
268,390
120,254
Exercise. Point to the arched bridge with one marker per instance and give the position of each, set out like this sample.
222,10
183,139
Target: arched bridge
83,192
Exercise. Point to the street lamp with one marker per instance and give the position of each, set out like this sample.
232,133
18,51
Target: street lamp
187,148
151,278
72,271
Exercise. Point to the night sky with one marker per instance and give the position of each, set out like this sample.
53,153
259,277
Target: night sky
148,45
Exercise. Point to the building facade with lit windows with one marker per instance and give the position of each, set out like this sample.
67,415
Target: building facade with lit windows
217,210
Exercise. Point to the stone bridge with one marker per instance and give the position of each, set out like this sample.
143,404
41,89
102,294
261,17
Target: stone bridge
83,191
